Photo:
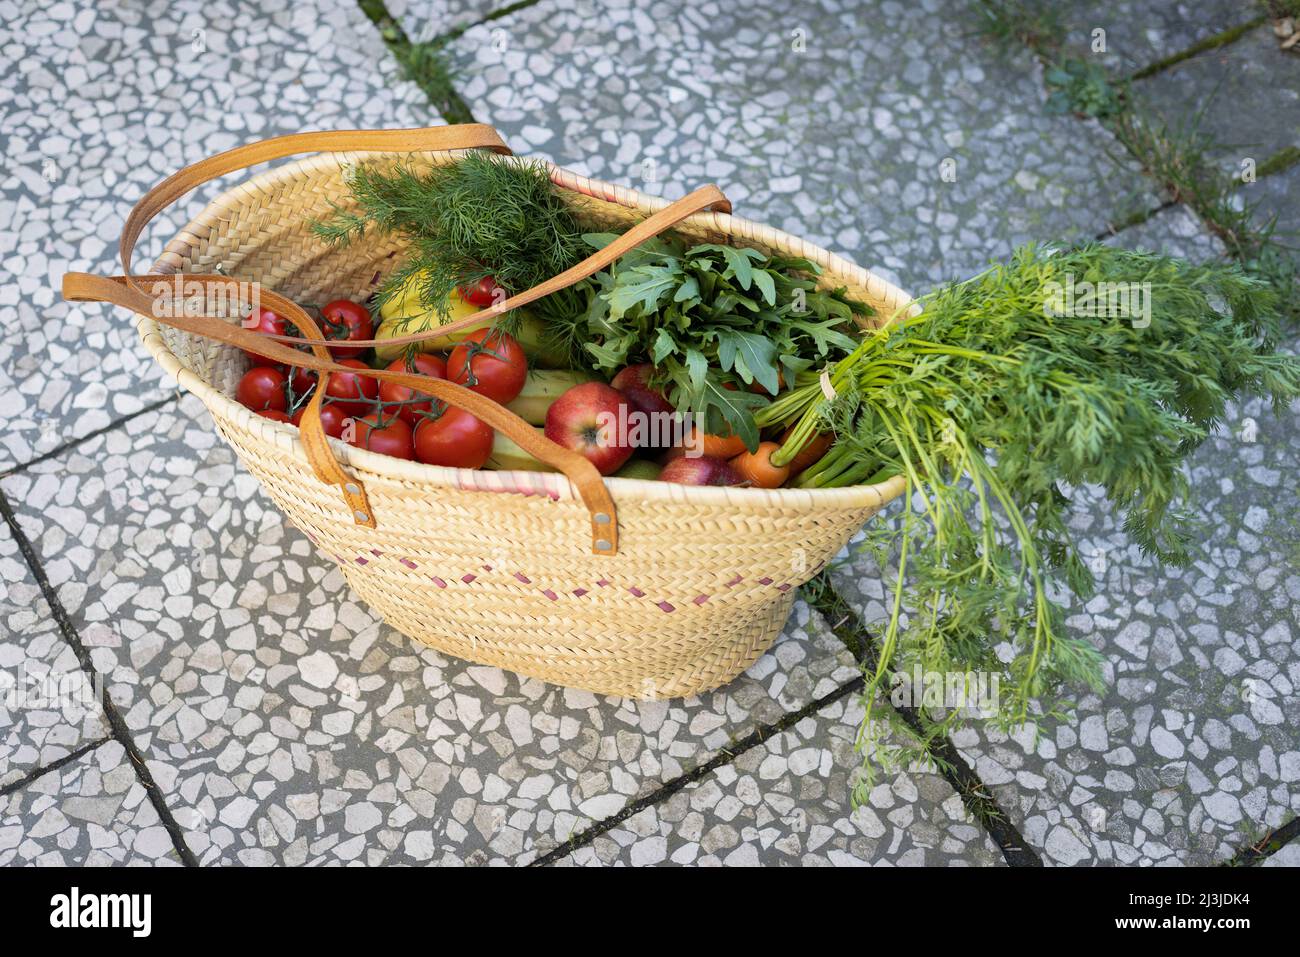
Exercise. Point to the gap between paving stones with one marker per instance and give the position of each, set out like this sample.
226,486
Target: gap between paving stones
422,61
1221,39
1252,242
1255,854
73,443
45,769
120,733
725,756
1275,164
949,764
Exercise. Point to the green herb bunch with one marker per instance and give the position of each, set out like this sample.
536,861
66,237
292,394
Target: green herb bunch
709,317
481,216
993,408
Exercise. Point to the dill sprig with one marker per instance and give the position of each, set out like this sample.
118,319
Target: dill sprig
480,216
993,407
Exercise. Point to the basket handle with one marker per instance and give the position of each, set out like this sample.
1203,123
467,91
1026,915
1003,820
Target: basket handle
125,290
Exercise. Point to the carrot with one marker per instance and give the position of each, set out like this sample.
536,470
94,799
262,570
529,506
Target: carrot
713,446
812,451
757,468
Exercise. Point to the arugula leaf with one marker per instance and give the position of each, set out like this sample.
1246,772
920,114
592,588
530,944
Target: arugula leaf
697,366
710,318
766,285
734,406
664,346
647,286
752,356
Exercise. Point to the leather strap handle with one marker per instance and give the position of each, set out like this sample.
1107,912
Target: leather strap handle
126,291
462,136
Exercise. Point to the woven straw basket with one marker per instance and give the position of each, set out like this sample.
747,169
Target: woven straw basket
495,566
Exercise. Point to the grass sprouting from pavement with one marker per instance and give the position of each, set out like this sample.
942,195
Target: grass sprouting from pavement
422,62
1177,156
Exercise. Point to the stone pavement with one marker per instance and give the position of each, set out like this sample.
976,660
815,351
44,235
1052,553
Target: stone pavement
254,712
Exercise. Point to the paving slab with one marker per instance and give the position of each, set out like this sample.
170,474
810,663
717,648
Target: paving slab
1192,750
1275,202
786,803
1175,231
1247,95
48,705
105,100
285,723
882,132
1288,856
91,812
1142,32
424,20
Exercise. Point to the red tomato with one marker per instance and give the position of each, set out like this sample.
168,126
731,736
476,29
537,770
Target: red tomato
301,381
425,364
485,292
268,323
387,436
263,388
275,415
455,439
489,363
332,418
351,390
344,320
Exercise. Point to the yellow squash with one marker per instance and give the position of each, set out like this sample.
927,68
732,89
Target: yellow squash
406,315
507,455
541,388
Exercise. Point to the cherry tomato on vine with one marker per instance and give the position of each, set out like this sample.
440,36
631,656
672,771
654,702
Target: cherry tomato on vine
455,439
490,363
332,418
262,388
388,435
275,415
485,292
267,323
346,320
425,364
351,390
301,381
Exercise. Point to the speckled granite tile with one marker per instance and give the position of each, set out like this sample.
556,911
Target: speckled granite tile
1172,232
103,101
1142,32
285,723
90,812
428,19
1288,856
786,803
48,705
881,131
1274,202
1247,95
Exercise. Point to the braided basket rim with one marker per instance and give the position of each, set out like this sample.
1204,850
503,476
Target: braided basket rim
888,299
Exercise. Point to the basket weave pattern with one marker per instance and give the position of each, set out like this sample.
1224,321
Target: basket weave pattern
494,567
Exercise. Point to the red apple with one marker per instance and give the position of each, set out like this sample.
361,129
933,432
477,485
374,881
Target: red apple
634,382
699,471
591,418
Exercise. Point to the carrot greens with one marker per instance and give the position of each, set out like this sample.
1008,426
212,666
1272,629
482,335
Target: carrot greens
996,404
